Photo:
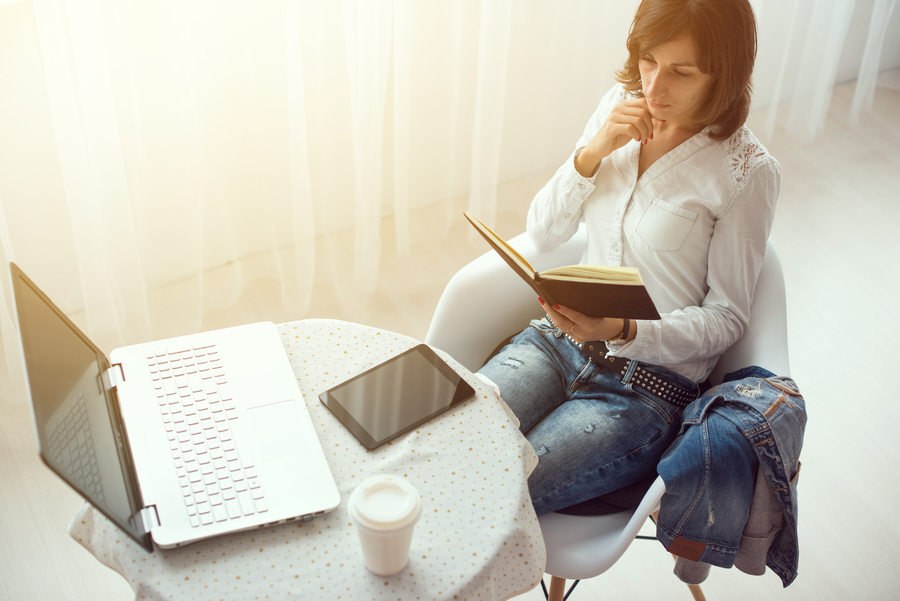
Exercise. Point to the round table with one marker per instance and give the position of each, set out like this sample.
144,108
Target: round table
478,537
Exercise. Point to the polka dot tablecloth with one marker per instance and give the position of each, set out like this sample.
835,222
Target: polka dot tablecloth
478,537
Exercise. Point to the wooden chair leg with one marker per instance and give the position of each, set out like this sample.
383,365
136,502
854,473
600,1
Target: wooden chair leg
557,589
698,594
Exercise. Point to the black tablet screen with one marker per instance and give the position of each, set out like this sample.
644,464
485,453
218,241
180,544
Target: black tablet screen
396,396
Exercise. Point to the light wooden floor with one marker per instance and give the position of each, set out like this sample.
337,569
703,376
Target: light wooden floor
835,232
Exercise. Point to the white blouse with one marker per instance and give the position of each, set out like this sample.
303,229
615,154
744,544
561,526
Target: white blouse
695,224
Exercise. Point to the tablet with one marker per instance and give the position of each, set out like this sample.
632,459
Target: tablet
394,397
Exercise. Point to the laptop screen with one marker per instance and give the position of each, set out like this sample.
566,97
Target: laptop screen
80,435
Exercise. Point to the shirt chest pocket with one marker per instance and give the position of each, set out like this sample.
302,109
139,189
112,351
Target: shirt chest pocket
664,227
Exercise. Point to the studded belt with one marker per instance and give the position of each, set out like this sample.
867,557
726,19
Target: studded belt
657,386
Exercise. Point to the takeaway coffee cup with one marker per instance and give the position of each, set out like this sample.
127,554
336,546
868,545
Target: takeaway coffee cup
385,510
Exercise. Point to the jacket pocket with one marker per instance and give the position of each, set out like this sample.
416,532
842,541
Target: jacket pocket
664,227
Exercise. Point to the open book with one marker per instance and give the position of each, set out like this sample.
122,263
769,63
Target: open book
594,290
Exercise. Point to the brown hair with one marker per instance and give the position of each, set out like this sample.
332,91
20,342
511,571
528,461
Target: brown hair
724,32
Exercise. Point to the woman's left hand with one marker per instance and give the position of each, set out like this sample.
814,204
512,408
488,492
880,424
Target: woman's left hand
582,327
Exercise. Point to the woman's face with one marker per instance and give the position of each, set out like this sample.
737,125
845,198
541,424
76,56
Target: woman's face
672,82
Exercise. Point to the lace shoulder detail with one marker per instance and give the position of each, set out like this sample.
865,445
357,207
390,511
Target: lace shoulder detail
744,154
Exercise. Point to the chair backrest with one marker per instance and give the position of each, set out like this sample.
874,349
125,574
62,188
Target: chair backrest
486,302
765,342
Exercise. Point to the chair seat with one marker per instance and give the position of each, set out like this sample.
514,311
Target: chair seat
571,540
580,547
617,501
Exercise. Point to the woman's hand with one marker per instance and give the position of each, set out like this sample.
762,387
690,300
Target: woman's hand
582,327
629,120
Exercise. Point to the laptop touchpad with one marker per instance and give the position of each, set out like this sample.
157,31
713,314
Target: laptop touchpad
279,432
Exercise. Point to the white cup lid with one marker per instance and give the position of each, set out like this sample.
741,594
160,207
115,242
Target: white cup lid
385,502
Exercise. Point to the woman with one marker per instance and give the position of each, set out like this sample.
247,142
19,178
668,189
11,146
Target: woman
667,179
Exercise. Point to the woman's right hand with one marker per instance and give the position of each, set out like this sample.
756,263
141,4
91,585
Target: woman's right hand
629,120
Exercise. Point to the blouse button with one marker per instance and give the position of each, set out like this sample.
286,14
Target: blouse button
568,215
615,246
581,186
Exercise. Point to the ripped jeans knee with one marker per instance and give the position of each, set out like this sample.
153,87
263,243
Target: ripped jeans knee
531,380
511,362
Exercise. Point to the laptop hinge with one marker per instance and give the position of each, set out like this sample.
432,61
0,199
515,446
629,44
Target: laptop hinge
150,518
114,376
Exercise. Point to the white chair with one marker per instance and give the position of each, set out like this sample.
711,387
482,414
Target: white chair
485,302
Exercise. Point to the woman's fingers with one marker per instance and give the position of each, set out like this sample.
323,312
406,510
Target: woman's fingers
558,319
571,314
636,119
565,319
580,326
628,120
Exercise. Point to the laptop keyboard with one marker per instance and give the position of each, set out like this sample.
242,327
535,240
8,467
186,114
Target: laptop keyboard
71,447
197,407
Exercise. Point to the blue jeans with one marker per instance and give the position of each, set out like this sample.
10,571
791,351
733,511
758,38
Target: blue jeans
592,431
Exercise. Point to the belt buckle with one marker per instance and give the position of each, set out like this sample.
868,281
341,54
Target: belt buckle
595,349
598,352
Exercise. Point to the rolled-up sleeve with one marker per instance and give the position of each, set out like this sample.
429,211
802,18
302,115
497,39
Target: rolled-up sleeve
555,212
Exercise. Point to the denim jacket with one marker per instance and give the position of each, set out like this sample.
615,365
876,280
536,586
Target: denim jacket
752,423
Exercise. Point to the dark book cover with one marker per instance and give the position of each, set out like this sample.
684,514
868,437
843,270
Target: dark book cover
591,297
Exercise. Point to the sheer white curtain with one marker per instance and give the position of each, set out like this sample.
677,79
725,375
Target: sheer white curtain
806,46
208,145
870,64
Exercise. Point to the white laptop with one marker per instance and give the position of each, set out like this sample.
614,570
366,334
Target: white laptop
178,440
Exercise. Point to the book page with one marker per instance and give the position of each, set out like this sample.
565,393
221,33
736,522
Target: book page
595,273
